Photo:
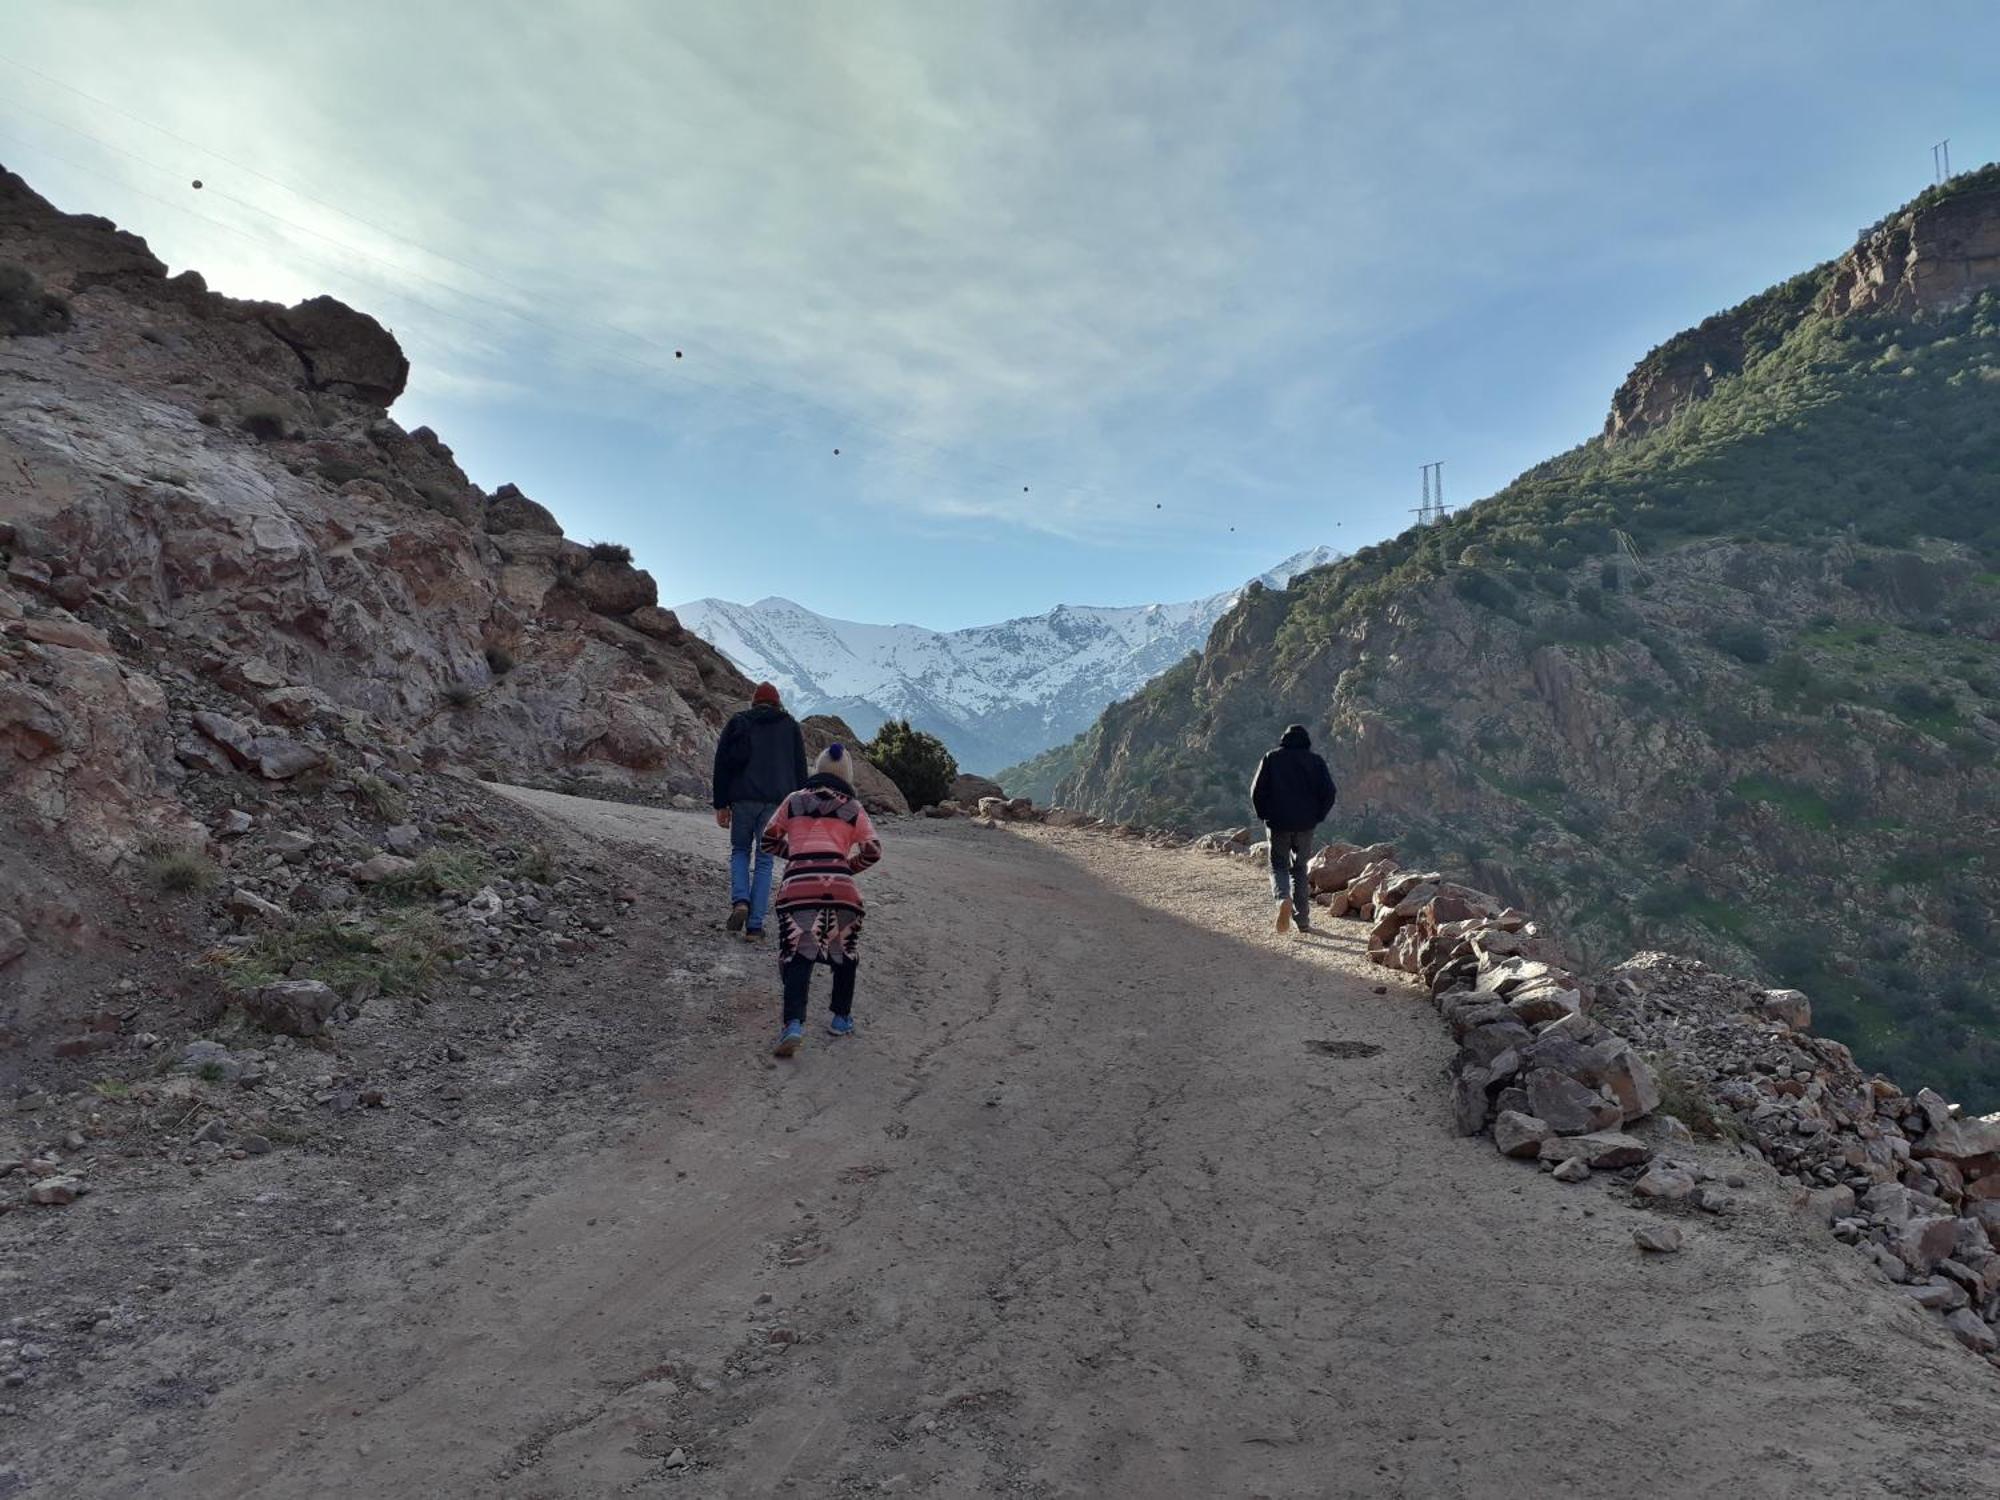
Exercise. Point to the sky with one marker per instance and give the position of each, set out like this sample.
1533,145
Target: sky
942,314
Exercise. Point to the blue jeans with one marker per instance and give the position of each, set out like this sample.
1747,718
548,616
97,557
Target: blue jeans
749,865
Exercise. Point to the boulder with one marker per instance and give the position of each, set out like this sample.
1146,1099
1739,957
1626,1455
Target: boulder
1664,1184
280,758
1657,1239
381,867
609,587
56,1191
660,624
1519,1135
343,350
293,1007
1970,1330
510,510
1614,1065
1789,1006
1568,1106
1924,1241
1600,1150
968,790
1468,1097
1961,1139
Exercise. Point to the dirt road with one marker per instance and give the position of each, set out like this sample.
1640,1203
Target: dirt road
1086,1209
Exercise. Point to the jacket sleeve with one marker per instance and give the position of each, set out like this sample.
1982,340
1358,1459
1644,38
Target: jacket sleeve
867,847
776,840
1258,786
1328,792
800,770
728,761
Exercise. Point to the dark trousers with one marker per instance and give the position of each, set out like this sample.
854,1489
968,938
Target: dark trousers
1289,853
797,974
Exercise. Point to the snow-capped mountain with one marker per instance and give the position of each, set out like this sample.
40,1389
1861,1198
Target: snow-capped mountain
995,694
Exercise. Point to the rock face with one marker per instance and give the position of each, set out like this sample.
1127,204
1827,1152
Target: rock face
1942,250
219,556
510,510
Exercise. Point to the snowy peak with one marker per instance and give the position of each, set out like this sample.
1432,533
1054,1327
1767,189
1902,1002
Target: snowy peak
996,694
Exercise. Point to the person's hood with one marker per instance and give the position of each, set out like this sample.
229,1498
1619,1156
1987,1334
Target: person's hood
766,711
1295,738
830,782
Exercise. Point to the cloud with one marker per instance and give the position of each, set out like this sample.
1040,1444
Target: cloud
1107,251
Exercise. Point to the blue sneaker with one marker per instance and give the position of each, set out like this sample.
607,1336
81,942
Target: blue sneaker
790,1039
840,1026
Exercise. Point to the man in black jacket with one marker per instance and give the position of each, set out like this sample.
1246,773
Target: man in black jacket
1293,793
760,760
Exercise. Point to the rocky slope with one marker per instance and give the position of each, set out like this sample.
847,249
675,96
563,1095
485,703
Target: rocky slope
995,694
1725,680
222,561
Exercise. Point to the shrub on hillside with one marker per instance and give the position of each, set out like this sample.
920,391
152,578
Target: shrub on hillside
1746,642
610,552
263,420
25,309
918,763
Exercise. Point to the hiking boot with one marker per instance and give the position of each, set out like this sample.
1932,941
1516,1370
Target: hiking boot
790,1039
738,915
840,1026
753,934
1284,923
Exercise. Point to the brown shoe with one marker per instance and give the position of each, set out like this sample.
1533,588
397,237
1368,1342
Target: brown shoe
1284,922
738,915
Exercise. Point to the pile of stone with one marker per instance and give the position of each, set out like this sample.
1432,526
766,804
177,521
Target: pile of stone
1905,1178
1555,1069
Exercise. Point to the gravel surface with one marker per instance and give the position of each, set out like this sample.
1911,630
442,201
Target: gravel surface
1115,1193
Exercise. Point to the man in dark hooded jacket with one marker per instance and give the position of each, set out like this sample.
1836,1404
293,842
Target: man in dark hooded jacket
760,760
1293,793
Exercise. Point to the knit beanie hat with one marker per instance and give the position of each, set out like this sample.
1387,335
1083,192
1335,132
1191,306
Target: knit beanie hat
765,693
835,761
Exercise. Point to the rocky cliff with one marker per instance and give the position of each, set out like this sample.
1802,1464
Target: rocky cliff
1931,256
1726,681
221,557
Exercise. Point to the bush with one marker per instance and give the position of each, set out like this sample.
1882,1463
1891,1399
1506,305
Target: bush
499,660
175,870
610,552
1747,643
263,420
461,694
25,309
387,803
918,763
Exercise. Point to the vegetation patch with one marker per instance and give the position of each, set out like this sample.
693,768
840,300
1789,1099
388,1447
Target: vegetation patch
1799,803
920,765
398,953
177,869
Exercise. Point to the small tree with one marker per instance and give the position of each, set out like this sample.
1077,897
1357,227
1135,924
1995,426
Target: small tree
918,763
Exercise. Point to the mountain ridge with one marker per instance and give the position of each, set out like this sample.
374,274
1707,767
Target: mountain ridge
996,694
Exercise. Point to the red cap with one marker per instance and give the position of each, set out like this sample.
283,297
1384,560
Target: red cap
765,693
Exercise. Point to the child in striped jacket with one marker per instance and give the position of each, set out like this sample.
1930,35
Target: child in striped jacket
823,834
